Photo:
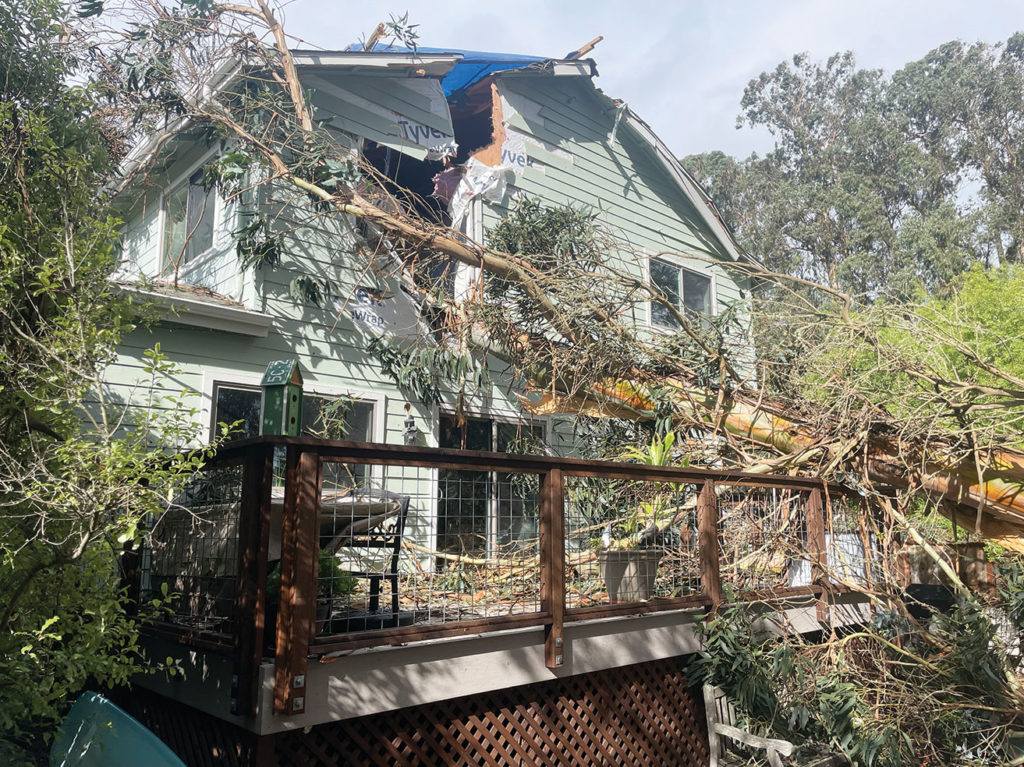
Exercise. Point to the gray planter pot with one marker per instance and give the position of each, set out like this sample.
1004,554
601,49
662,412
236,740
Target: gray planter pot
629,574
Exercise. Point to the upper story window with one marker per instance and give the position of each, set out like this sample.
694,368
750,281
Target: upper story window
188,221
688,291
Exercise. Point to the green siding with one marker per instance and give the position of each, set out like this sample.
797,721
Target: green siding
354,104
621,178
579,162
142,238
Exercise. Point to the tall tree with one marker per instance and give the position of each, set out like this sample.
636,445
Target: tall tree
71,463
855,182
878,185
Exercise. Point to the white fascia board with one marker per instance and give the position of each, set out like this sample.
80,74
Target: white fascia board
436,65
703,204
555,68
580,68
144,152
186,310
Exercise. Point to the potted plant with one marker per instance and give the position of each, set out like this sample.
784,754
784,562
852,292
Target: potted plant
628,564
332,582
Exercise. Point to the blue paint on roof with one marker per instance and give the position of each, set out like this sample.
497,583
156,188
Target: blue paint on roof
473,67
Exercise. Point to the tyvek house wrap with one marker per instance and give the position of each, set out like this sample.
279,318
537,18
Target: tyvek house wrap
407,114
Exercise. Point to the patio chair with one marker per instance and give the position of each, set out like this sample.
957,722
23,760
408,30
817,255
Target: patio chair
368,519
722,730
723,734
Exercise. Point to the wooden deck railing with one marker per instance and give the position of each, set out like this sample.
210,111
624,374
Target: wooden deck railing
260,548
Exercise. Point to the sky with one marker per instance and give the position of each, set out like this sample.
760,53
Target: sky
682,66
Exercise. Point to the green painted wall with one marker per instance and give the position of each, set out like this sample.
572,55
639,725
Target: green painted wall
618,176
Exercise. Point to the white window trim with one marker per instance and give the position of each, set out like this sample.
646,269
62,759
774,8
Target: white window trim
378,400
679,263
212,377
163,264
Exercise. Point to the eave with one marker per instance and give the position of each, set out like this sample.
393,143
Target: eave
193,310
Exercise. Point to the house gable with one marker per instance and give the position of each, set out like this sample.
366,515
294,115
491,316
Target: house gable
555,138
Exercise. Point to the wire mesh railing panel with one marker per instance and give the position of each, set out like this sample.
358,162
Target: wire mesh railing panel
433,541
191,554
762,534
404,545
851,547
629,541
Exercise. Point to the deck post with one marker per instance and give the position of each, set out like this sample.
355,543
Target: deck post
816,544
251,586
299,548
707,539
552,564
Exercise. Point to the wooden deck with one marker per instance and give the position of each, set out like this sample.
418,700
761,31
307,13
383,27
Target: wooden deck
521,613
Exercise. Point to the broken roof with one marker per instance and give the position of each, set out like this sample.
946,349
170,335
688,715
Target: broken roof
471,67
459,69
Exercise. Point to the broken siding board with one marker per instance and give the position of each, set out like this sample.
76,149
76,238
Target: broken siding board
556,127
340,99
593,159
418,94
402,96
563,114
365,123
355,130
386,114
544,157
613,164
553,128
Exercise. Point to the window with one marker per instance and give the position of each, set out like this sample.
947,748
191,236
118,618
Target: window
688,291
232,404
483,512
322,416
188,221
337,418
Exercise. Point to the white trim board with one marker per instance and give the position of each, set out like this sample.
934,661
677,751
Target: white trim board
186,310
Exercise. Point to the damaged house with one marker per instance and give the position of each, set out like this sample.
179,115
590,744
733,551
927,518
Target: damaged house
437,576
466,134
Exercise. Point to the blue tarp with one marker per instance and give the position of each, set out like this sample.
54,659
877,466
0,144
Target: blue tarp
474,66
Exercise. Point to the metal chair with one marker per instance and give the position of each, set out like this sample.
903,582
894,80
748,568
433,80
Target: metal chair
364,520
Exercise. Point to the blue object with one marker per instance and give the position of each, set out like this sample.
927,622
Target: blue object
474,66
96,733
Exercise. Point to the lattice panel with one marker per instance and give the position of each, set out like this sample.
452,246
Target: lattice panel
637,715
199,740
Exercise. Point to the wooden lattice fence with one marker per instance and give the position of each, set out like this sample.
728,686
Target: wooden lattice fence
644,714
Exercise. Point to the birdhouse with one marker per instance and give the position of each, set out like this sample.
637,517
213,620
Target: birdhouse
281,412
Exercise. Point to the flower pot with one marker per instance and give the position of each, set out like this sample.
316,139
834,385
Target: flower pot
629,574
